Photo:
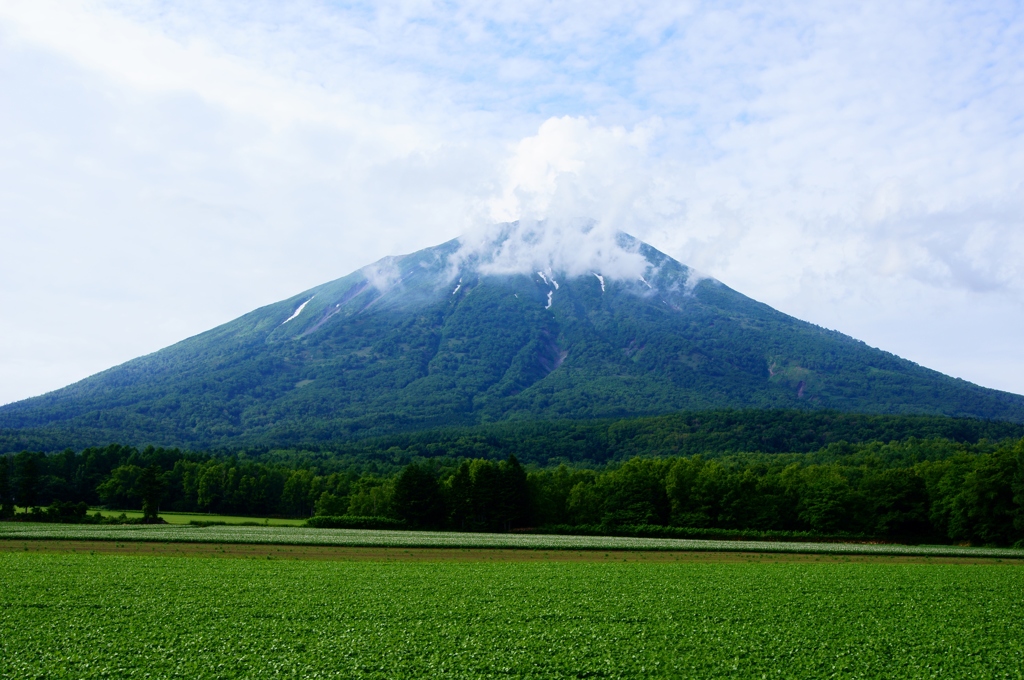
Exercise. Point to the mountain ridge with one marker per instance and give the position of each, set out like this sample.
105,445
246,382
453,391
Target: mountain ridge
432,339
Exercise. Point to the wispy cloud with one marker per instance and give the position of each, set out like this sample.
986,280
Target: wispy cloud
166,166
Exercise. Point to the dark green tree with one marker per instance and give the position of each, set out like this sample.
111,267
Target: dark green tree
417,498
459,498
331,504
297,496
27,474
828,502
635,494
513,497
486,495
549,492
6,488
987,499
150,488
1018,492
121,489
897,499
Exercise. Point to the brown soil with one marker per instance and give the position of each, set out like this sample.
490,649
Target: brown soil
312,552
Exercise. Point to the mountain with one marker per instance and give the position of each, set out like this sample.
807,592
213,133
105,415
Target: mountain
442,338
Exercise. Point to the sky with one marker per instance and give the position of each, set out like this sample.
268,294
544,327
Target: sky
168,166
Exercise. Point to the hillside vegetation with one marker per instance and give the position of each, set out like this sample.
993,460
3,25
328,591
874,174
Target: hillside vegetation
935,489
364,359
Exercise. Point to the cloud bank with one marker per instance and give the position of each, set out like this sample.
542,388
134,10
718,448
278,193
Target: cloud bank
553,248
567,193
165,167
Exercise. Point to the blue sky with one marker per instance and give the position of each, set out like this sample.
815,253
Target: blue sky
165,167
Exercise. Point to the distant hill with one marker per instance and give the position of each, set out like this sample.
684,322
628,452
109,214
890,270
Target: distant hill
831,434
430,339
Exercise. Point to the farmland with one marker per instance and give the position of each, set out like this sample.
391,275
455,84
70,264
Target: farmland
81,615
187,517
442,539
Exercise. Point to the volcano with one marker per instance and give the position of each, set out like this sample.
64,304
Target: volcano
441,338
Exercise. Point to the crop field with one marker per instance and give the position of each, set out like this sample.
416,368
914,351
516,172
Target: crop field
186,517
391,554
81,615
435,539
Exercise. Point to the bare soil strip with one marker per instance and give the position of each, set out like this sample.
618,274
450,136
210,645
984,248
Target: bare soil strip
342,553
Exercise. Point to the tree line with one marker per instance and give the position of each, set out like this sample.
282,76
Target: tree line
917,490
600,441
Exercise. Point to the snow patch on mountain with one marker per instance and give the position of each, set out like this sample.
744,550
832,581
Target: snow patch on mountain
297,311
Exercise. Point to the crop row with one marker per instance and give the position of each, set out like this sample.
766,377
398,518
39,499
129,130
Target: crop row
80,615
424,539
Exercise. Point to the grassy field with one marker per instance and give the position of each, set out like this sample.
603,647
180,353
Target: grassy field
260,551
432,539
187,517
82,615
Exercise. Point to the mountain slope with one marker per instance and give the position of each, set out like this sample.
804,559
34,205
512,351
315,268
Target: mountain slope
431,339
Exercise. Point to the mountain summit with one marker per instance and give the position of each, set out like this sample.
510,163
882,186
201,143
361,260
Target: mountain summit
450,335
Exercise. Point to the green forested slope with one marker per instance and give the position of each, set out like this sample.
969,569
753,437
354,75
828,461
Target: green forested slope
410,344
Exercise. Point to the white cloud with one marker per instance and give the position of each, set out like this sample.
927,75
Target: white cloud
568,191
167,166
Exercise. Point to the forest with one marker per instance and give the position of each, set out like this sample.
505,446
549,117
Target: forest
486,355
934,490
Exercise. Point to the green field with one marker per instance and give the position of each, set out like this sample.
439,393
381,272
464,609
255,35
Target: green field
188,517
80,615
446,539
